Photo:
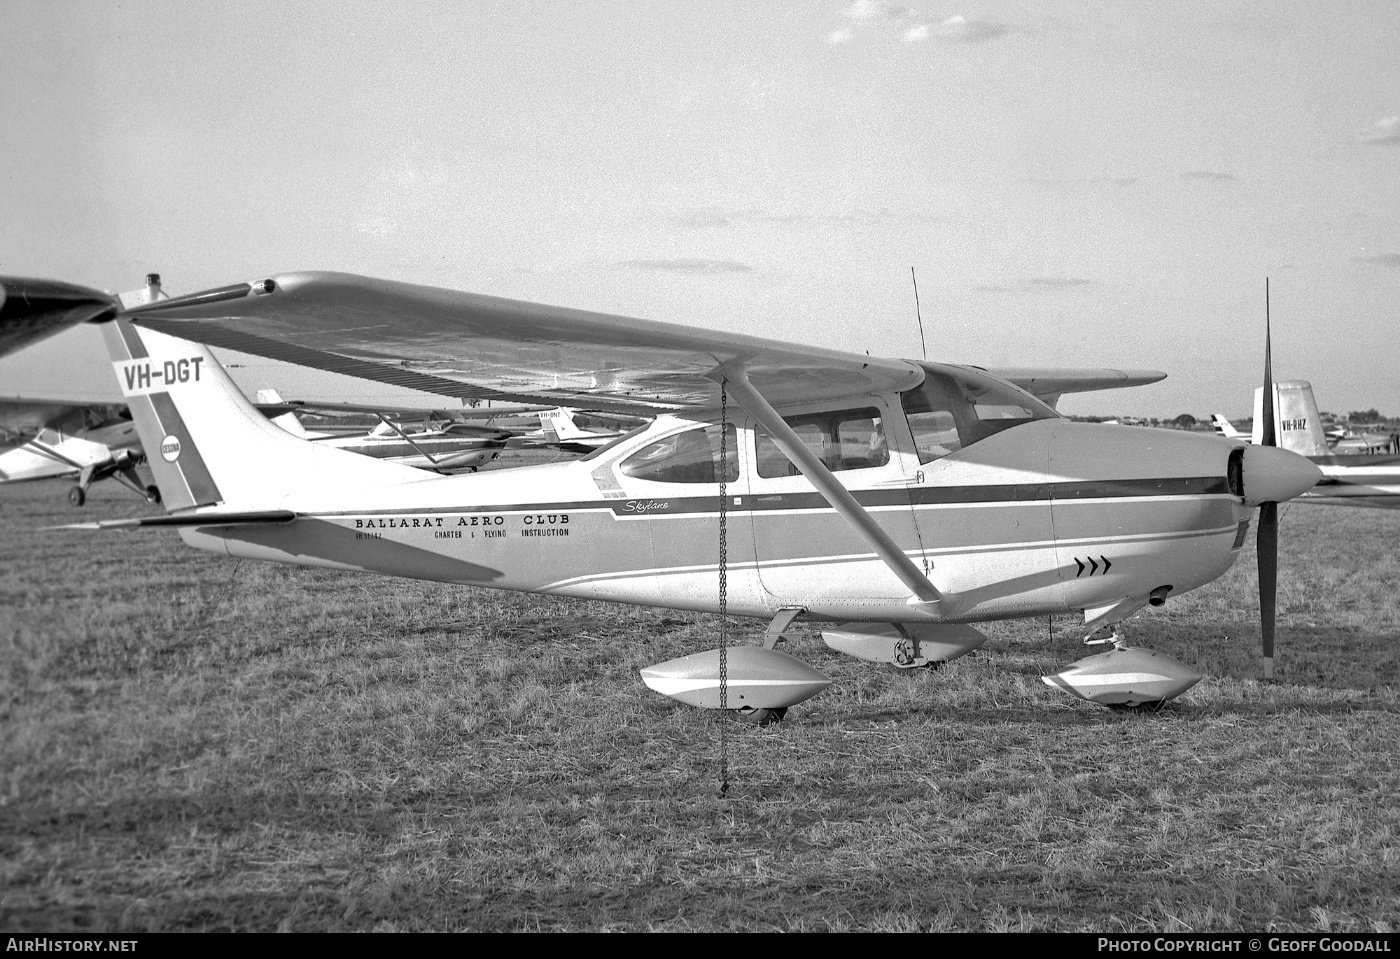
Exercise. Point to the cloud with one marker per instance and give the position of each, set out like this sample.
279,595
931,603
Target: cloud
911,26
1391,260
711,217
1026,284
1059,281
959,29
686,265
1080,183
1386,130
867,11
1207,175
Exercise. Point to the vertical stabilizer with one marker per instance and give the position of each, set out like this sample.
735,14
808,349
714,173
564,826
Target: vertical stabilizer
558,425
206,444
1297,423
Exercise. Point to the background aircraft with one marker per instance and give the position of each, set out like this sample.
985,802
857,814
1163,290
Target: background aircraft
960,498
61,409
433,443
86,443
1348,478
559,430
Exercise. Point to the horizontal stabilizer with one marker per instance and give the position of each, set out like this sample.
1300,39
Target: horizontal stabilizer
33,309
267,517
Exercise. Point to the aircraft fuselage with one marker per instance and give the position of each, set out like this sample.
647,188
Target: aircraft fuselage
1044,517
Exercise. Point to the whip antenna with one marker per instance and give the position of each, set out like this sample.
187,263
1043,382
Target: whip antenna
922,345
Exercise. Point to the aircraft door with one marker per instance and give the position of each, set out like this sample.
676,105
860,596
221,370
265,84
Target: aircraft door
980,450
670,487
807,554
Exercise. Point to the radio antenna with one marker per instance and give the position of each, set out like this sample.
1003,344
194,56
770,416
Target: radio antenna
922,344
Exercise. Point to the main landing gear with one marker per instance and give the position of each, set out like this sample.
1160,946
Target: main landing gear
1125,677
759,717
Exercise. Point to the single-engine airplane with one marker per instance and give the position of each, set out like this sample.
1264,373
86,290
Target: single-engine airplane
1368,479
558,430
437,445
86,443
901,502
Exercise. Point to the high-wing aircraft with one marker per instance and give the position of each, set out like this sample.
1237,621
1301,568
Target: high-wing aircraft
438,445
899,502
86,443
558,430
1226,430
1348,479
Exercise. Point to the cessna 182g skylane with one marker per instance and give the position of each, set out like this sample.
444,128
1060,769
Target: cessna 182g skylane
900,502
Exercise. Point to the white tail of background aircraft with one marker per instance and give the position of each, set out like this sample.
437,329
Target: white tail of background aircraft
1297,423
1224,428
558,424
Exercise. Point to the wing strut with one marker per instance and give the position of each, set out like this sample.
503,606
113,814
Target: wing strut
926,597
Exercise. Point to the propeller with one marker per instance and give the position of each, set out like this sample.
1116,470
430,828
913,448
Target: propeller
1270,475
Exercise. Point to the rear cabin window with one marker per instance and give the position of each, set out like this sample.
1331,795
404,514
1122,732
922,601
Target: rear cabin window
953,408
843,440
688,457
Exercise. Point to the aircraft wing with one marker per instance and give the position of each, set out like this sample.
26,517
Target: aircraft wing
1050,384
31,310
471,346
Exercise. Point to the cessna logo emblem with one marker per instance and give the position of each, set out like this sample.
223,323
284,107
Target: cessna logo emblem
170,449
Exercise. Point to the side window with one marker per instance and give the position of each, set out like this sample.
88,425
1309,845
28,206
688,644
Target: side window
935,434
842,439
688,457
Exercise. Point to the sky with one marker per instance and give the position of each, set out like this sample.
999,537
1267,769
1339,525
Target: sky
1075,183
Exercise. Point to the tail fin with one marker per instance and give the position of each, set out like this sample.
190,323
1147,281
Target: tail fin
288,420
1297,423
207,444
1223,427
559,425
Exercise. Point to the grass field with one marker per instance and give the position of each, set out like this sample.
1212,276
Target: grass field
189,743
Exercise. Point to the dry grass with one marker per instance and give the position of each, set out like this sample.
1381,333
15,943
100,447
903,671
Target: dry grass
190,743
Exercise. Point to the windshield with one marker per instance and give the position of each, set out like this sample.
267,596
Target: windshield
621,439
955,407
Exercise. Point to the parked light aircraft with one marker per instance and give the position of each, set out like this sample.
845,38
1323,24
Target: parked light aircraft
899,501
1225,429
558,430
80,442
1348,479
433,444
52,439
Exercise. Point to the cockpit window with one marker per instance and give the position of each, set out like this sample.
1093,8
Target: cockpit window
955,407
842,439
691,456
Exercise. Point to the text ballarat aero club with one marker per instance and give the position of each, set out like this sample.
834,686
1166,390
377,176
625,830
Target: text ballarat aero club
444,527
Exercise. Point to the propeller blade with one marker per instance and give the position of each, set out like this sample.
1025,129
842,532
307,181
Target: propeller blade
1267,538
1268,437
1267,542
